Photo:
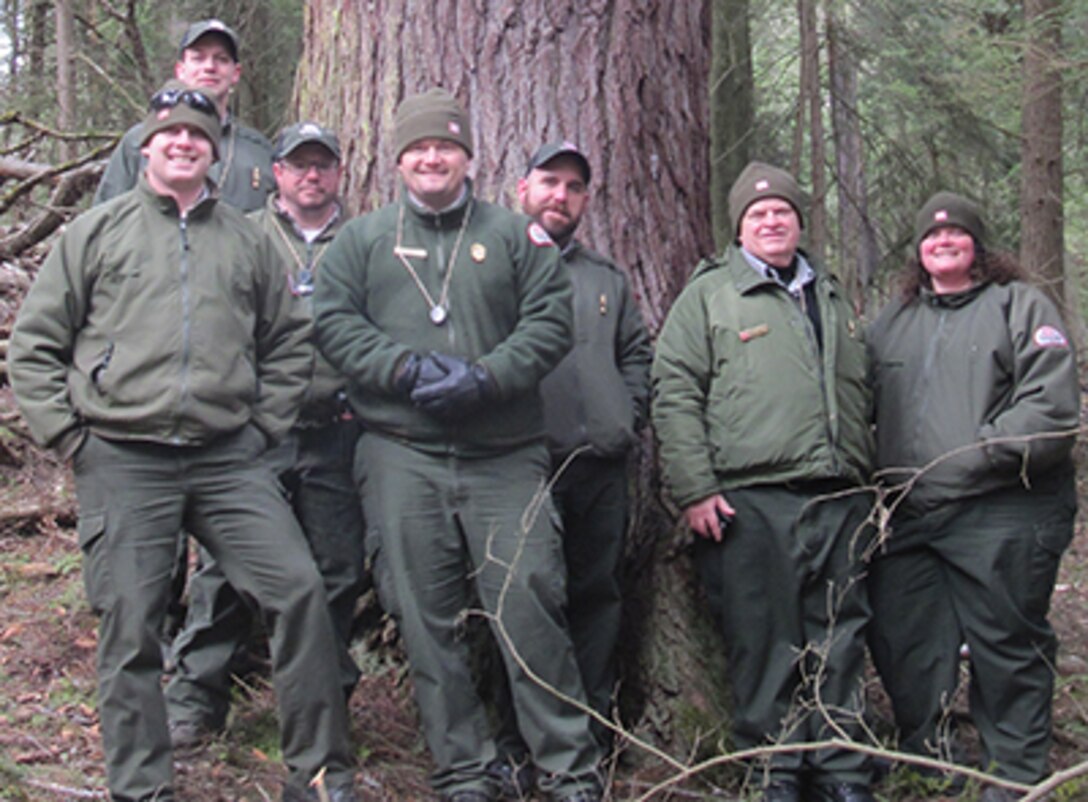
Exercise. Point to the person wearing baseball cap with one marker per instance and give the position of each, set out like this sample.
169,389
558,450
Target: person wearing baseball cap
315,459
160,351
444,312
977,409
595,403
208,60
761,412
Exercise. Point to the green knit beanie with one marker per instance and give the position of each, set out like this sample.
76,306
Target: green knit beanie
435,114
758,181
177,104
948,209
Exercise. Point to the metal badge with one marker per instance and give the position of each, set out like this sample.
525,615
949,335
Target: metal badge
478,251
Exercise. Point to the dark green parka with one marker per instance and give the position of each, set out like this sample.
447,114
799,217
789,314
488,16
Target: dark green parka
742,395
981,386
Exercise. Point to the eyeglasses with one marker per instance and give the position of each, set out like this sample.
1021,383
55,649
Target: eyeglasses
198,101
303,168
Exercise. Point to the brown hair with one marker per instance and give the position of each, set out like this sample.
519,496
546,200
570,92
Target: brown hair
989,266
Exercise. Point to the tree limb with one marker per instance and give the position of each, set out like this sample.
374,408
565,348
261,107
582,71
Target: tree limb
72,186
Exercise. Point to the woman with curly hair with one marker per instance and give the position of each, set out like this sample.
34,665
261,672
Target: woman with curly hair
977,406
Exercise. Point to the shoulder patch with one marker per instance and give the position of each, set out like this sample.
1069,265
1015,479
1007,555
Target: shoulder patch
1049,337
538,236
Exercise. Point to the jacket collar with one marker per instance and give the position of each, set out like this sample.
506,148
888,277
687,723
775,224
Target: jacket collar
446,218
168,206
951,300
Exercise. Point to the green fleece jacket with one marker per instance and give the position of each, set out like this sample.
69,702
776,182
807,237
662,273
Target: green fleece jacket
980,386
742,395
509,311
322,401
598,396
143,325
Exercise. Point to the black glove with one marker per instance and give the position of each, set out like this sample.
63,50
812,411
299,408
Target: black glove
460,390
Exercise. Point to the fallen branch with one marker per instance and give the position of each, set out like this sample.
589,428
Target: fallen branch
67,791
71,188
72,165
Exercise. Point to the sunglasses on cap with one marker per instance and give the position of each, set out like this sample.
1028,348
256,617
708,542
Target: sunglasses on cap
198,101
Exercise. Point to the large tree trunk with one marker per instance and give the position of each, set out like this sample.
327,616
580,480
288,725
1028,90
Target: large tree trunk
732,91
627,81
1041,211
857,251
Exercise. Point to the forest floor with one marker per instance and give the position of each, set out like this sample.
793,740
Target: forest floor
50,747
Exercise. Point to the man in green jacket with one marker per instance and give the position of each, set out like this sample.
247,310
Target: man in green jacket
314,462
444,312
761,410
208,61
595,402
159,350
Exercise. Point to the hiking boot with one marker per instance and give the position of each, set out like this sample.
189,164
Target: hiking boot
516,777
187,735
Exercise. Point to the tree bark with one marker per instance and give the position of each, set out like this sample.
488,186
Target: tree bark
857,250
627,81
66,90
1041,206
812,97
732,91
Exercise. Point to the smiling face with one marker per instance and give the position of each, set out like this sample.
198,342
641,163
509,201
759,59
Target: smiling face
207,65
947,254
178,159
434,171
770,230
555,195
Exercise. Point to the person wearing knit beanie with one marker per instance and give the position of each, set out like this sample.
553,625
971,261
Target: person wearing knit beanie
175,104
761,414
948,209
758,181
434,114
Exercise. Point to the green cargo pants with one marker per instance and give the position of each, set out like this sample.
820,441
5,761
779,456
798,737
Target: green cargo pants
134,500
591,498
442,524
979,571
315,464
786,586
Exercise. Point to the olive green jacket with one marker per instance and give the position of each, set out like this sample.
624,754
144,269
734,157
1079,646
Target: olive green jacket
979,387
243,173
743,396
323,396
143,325
509,311
598,396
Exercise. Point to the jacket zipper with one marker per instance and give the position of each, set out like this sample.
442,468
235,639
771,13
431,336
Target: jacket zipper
186,323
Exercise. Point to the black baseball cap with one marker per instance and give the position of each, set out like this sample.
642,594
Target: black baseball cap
553,150
206,27
294,136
